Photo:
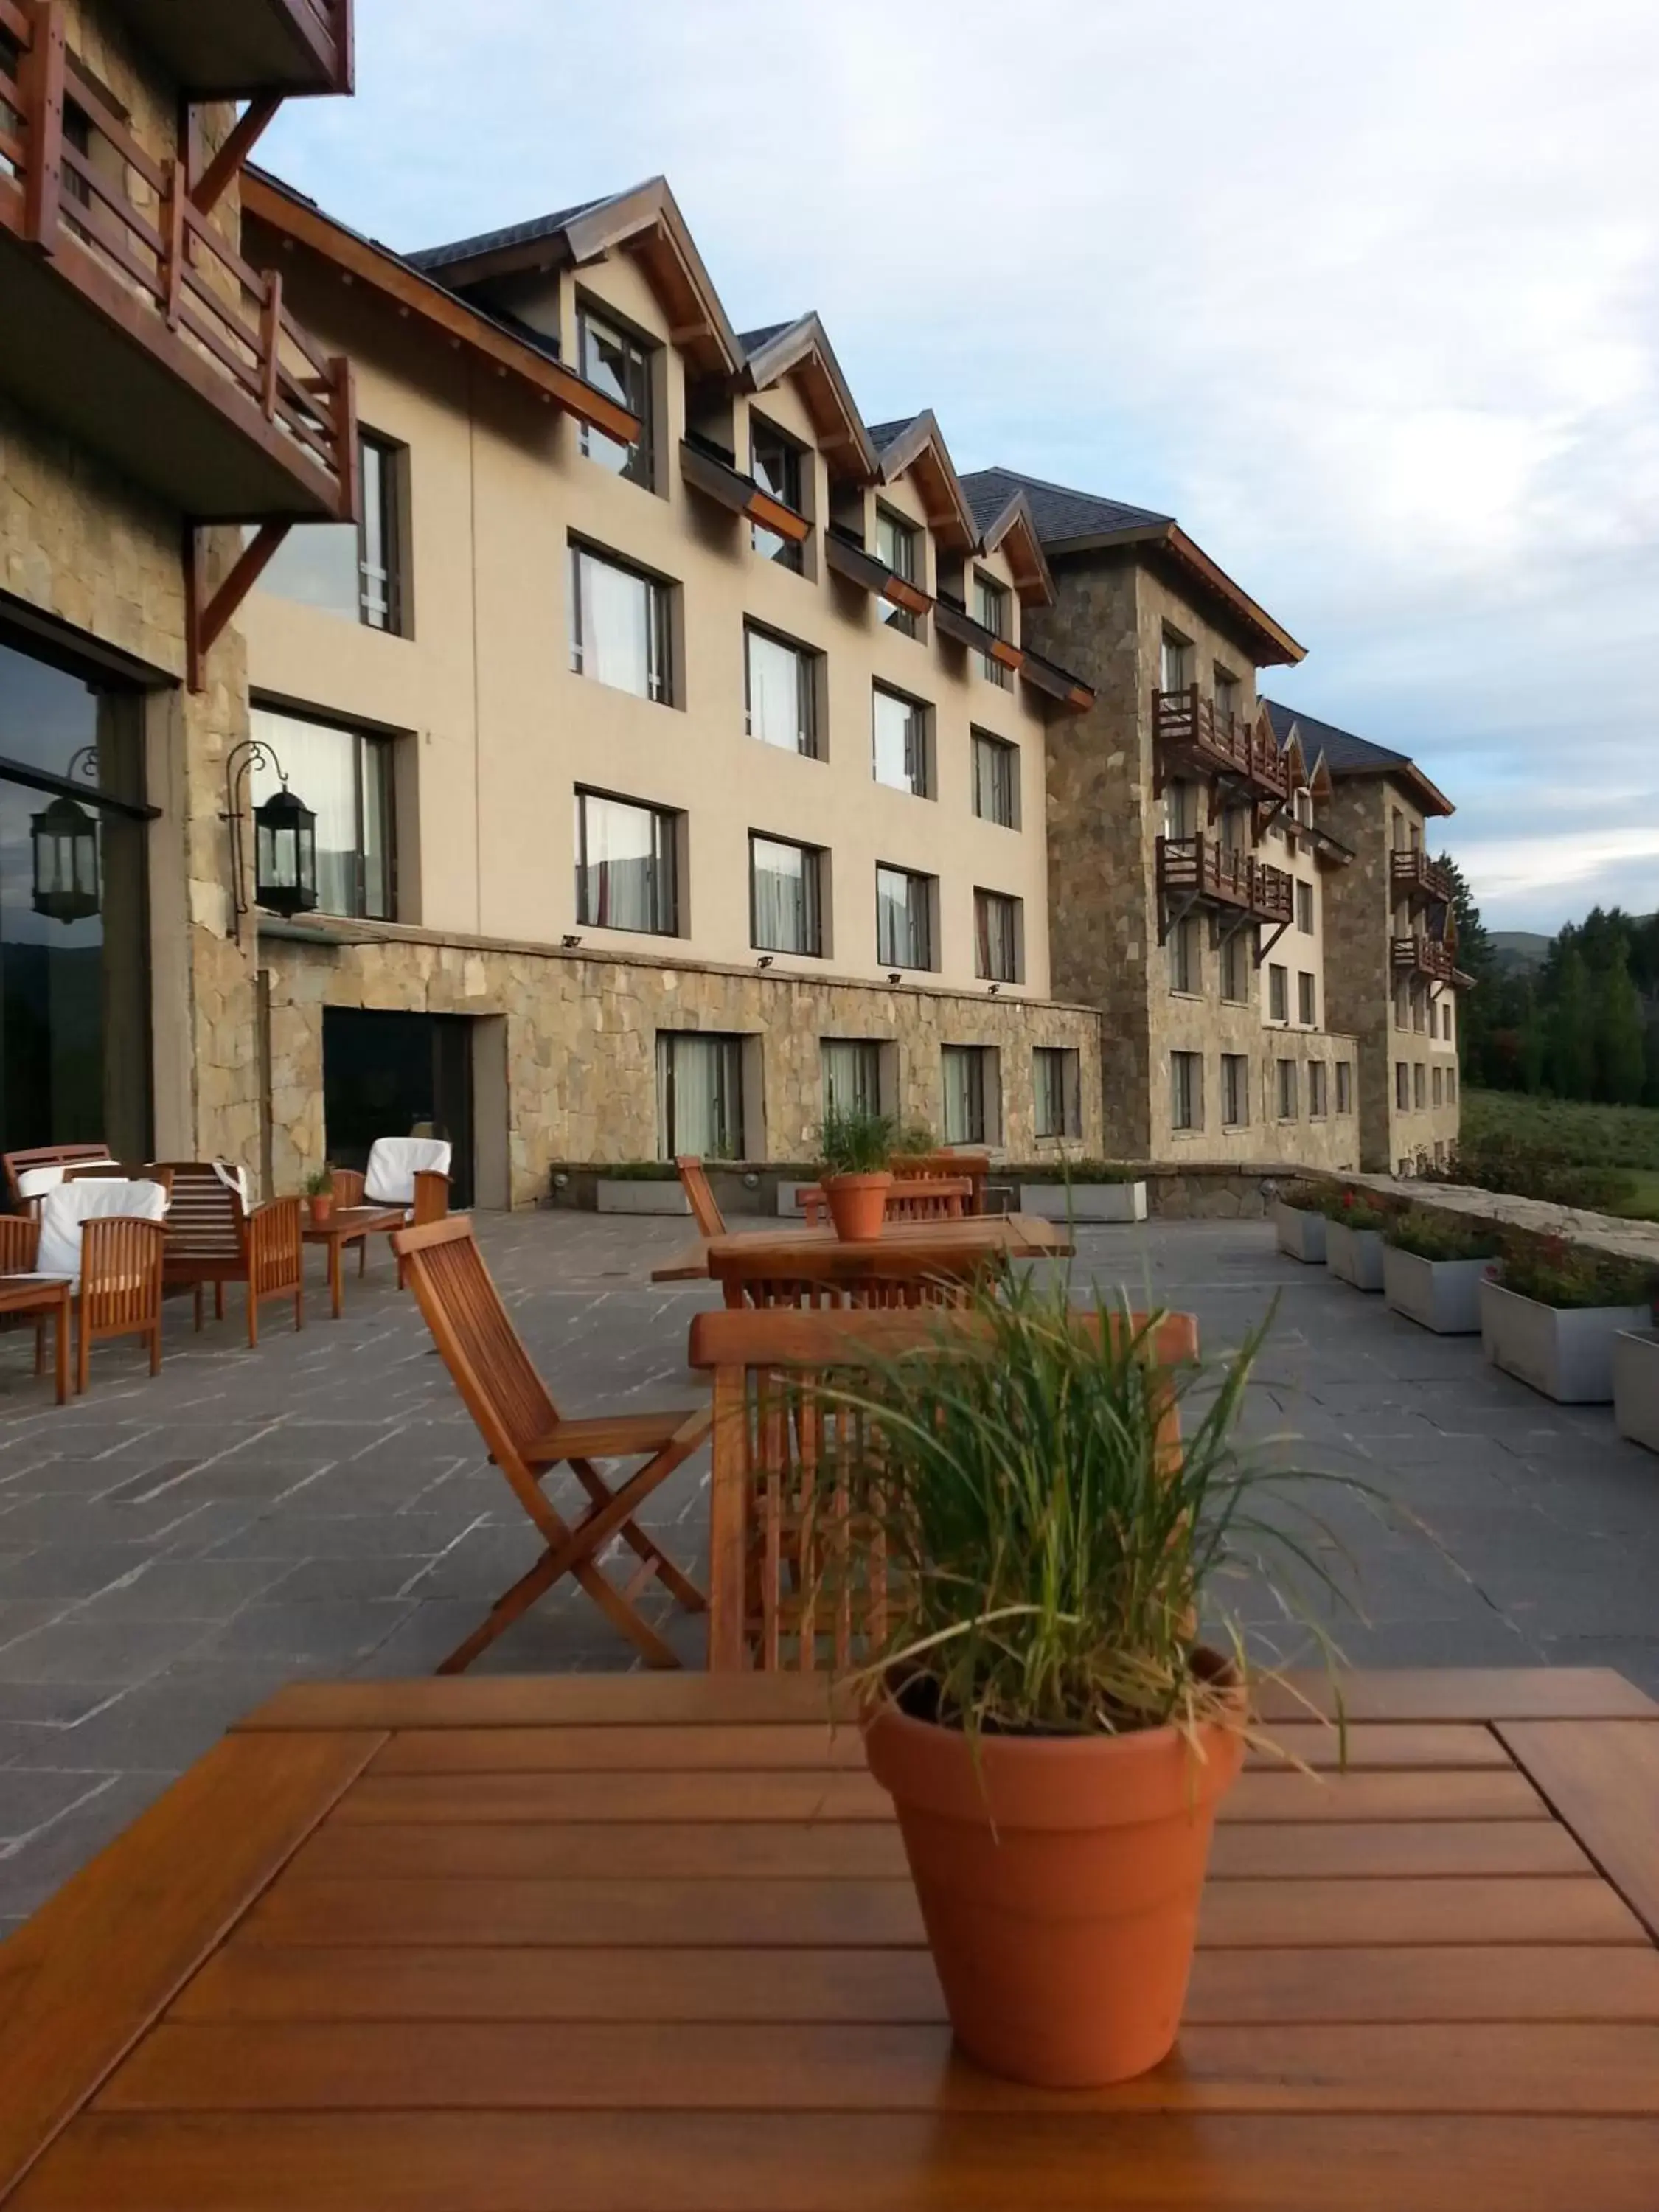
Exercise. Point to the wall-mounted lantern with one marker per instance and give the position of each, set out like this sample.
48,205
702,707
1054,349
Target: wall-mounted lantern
63,836
284,837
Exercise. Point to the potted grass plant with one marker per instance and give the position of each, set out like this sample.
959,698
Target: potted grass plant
319,1192
1433,1265
1550,1312
856,1147
1354,1226
1053,1734
1299,1225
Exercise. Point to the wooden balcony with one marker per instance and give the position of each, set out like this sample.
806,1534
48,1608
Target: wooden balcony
1194,738
134,326
246,49
1412,874
1198,869
1432,957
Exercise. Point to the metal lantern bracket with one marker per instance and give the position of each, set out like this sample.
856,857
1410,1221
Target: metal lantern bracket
243,758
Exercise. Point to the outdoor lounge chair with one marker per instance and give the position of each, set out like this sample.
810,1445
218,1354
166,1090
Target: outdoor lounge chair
527,1437
107,1236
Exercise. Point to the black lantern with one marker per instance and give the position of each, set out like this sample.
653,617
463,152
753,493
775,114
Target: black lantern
284,837
65,841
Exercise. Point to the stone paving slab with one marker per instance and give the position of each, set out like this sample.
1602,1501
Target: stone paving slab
172,1551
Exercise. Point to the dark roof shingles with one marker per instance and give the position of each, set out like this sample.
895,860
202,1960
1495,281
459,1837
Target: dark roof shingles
1344,753
1060,514
512,233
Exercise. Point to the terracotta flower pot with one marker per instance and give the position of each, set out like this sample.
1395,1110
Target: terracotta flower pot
322,1211
858,1205
1063,1934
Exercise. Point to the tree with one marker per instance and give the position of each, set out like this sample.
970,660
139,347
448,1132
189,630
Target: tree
1650,1085
1477,1012
1569,1026
1619,1039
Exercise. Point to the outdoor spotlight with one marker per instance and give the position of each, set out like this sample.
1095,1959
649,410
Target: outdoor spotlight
995,987
894,973
765,960
570,942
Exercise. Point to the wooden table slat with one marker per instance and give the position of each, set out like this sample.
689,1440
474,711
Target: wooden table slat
1603,1782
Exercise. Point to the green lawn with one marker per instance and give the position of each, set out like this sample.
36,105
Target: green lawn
1598,1136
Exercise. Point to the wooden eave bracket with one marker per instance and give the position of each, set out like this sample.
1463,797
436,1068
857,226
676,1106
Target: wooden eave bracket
1261,950
232,157
206,619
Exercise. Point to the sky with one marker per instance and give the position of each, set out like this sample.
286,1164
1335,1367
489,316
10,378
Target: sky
1368,297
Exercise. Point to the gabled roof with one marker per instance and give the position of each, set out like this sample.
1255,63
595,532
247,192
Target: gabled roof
1075,522
1346,754
645,220
1015,530
802,349
915,443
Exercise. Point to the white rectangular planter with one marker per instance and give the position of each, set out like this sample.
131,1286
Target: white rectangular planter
1084,1201
1354,1255
644,1195
1566,1351
1301,1233
1444,1295
1635,1386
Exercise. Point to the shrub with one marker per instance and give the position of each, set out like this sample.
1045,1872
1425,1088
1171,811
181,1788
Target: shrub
1352,1208
855,1142
1441,1235
639,1172
1557,1273
1518,1167
1303,1197
1090,1171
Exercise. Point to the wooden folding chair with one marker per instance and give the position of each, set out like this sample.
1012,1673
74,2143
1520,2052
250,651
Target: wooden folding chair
211,1240
858,1275
527,1437
693,1181
793,1584
943,1198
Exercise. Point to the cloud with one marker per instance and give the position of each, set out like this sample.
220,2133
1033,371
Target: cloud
1369,297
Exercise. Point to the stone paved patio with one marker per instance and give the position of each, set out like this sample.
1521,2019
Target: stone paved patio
172,1551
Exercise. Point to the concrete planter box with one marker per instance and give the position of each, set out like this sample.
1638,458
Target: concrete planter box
628,1195
1635,1386
1444,1295
1566,1353
1301,1234
1354,1255
1084,1201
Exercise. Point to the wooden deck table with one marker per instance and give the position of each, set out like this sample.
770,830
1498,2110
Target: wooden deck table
49,1295
1021,1235
600,1943
347,1224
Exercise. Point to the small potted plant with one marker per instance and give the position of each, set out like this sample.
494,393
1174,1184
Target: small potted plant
1550,1312
856,1147
1433,1265
1300,1223
319,1190
1354,1224
1055,1737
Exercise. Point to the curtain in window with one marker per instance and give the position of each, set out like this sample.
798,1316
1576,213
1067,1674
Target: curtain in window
901,919
777,694
615,619
699,1095
784,897
994,918
623,884
898,743
964,1095
322,770
851,1076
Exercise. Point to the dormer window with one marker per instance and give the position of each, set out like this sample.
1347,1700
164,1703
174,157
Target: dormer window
898,545
776,463
619,365
994,610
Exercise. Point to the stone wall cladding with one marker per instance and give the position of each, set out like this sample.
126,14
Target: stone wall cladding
582,1033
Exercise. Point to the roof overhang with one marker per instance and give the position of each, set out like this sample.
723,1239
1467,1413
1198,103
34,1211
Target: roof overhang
919,451
297,222
1423,793
1271,646
802,350
1015,532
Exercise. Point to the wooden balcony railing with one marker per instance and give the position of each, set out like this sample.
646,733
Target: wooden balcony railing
1211,742
1412,873
87,203
1426,956
1199,867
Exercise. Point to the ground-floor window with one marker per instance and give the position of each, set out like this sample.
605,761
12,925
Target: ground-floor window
391,1074
1315,1090
852,1075
1402,1084
1287,1089
1185,1091
1057,1091
699,1095
1235,1090
970,1072
1420,1087
1452,1086
1345,1086
1436,1081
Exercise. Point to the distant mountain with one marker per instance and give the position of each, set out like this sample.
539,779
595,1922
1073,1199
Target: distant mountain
1519,951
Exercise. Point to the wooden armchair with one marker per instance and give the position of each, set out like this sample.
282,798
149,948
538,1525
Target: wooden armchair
841,1275
18,1165
211,1239
942,1198
20,1246
693,1181
787,1587
527,1437
431,1203
908,1167
121,1271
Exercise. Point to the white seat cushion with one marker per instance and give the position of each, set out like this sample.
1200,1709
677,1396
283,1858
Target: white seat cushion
394,1163
87,1198
35,1182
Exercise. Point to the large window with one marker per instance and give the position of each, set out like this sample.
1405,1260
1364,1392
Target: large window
779,691
619,364
904,918
992,611
898,545
1057,1091
344,777
1345,1086
1235,969
778,466
784,903
1402,1084
1288,1109
1234,1090
1304,921
1307,1000
900,727
996,780
1185,1091
1187,956
971,1101
1419,1086
1279,993
353,569
852,1075
1175,666
627,871
996,937
619,626
1316,1101
699,1095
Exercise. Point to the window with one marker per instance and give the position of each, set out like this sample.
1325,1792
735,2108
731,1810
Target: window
1057,1091
1234,1090
1180,809
996,779
1446,1020
779,690
1235,969
1236,831
345,778
991,611
852,1075
970,1093
1345,1086
699,1095
1187,955
904,920
898,545
1287,1089
1315,1090
900,727
1452,1086
1185,1091
1402,1005
1402,1084
619,364
1304,908
619,626
1420,1087
1435,1082
353,569
626,870
776,463
1439,1152
1227,694
1175,662
996,937
784,902
1279,991
1307,1004
1420,1007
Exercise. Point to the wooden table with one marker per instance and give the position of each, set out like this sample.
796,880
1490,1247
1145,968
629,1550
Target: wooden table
43,1294
347,1224
605,1943
1021,1235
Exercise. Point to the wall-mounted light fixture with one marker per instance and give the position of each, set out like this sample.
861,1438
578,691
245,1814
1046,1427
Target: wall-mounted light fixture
570,942
994,988
894,974
63,838
765,960
284,837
